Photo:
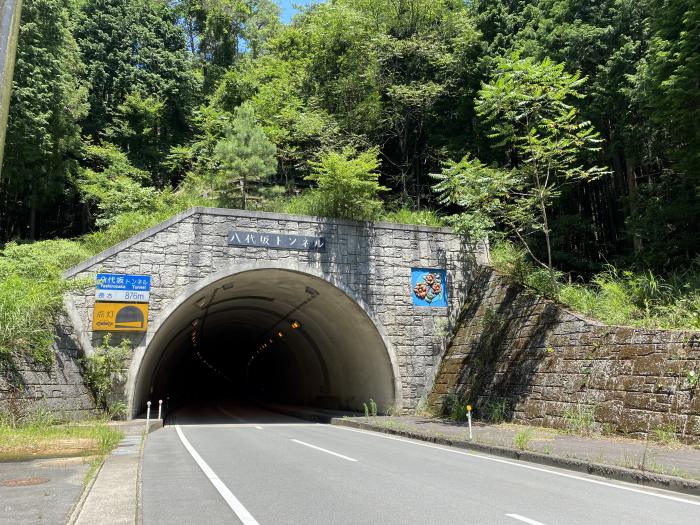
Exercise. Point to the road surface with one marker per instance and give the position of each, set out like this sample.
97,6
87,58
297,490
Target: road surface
228,463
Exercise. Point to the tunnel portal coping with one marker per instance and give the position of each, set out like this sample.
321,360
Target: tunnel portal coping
153,230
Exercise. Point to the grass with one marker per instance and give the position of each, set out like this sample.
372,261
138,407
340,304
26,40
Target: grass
614,296
522,439
665,435
496,411
579,420
42,437
420,218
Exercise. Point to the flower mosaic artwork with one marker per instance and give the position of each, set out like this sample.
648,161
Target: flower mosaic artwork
428,287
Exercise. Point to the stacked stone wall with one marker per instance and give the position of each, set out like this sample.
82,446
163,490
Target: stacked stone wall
553,368
26,387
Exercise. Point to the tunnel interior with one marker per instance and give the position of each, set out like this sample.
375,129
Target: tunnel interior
268,335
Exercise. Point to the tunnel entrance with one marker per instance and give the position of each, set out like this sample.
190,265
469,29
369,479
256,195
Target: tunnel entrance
268,334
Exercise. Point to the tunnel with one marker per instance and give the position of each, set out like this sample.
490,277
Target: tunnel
267,335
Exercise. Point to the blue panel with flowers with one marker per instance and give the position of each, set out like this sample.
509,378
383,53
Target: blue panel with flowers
429,287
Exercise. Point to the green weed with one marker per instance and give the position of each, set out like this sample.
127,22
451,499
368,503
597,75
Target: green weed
103,368
496,411
614,296
522,439
665,435
372,408
580,420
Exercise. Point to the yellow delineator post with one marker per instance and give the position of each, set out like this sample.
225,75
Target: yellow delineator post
120,317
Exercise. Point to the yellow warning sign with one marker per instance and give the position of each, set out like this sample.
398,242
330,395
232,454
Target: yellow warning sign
120,317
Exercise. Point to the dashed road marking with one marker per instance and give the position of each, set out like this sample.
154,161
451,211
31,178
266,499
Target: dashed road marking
524,519
323,450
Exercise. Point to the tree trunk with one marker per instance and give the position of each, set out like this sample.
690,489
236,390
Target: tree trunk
632,188
243,195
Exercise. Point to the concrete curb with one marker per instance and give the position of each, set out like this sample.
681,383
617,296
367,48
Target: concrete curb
639,477
121,514
78,506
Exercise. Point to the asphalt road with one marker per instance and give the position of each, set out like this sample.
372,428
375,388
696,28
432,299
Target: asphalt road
236,464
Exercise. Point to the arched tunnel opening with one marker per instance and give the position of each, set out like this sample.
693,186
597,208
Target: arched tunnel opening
267,335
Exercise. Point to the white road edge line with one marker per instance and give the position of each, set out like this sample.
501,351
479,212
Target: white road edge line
236,506
524,465
524,519
323,450
258,427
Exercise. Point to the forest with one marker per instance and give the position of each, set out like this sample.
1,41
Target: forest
568,131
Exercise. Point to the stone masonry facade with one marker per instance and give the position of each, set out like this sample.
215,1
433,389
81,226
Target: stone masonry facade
372,261
550,367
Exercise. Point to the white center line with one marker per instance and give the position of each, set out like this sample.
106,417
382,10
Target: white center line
323,450
525,465
236,506
524,519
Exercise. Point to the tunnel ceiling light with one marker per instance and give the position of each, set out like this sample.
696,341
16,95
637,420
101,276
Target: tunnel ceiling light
295,325
202,302
227,286
280,334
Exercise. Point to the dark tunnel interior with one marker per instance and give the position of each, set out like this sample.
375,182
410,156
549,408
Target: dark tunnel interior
267,335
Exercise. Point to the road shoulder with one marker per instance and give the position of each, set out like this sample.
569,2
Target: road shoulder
448,434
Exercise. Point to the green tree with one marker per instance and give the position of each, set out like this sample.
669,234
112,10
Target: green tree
246,157
347,185
667,211
527,104
137,127
110,185
135,46
48,99
221,32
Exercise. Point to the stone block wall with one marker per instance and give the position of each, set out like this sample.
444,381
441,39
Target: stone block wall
371,261
552,367
59,388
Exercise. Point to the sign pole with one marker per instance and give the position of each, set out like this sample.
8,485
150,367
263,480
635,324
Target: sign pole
10,12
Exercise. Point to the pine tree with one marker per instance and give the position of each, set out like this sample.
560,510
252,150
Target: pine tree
246,157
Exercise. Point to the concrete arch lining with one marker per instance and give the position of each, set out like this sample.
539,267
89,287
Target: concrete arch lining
336,336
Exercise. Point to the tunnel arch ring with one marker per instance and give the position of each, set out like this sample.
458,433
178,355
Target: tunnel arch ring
231,270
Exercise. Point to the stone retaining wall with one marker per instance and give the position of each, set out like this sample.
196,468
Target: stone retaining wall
554,368
26,387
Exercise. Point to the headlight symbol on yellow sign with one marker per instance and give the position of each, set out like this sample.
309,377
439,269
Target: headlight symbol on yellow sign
120,317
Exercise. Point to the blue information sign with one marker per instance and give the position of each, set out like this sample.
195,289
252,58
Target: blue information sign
126,282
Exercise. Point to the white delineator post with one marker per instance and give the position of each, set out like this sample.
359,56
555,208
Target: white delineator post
148,415
469,419
160,408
